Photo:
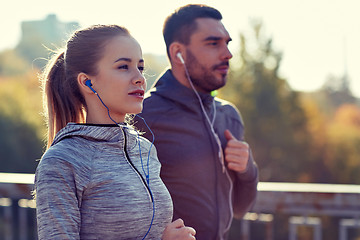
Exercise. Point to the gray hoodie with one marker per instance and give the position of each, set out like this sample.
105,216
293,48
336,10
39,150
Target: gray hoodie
91,184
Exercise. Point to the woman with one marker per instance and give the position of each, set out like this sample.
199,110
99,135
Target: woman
98,178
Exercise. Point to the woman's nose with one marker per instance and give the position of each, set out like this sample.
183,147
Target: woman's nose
139,78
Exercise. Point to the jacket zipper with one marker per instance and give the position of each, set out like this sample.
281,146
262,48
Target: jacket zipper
133,166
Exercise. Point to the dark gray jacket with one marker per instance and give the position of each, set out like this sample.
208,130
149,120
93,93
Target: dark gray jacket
90,185
202,194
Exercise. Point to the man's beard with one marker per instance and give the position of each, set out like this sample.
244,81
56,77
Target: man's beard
204,79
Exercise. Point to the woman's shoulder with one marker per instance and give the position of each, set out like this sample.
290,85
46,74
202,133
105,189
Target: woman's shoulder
68,152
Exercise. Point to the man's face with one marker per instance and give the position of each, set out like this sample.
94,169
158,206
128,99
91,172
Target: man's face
207,55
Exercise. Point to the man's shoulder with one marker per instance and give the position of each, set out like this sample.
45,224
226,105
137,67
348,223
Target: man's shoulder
155,102
226,106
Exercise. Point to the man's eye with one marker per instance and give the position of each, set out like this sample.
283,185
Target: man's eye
141,68
212,43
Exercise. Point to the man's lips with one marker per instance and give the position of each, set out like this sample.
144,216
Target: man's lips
222,67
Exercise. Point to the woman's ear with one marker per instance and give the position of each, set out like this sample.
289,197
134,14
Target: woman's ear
84,83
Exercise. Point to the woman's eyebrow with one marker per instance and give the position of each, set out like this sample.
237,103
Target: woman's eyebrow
128,60
123,59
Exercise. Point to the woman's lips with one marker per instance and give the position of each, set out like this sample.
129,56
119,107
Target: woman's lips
137,93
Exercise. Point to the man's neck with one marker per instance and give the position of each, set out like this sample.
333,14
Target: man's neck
180,76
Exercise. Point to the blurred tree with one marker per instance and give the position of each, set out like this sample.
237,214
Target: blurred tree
12,64
317,124
154,66
21,125
348,114
274,118
337,91
333,118
342,152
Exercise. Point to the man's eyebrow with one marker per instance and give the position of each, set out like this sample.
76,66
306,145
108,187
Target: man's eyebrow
215,38
212,38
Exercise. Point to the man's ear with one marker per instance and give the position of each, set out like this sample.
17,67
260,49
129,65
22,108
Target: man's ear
82,78
174,49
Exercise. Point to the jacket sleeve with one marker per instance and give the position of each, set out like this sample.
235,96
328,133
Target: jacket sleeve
245,184
57,206
245,189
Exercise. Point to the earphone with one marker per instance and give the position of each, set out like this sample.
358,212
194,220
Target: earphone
214,92
180,57
211,123
89,85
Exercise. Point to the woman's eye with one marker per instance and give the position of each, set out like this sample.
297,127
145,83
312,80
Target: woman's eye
141,68
123,67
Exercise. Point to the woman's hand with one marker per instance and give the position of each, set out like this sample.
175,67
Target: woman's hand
177,230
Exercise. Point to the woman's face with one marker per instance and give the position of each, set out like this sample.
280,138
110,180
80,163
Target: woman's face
120,82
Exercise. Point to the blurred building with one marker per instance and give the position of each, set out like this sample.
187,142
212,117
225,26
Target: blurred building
40,36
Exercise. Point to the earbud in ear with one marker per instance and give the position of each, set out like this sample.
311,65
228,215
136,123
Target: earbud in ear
180,57
89,84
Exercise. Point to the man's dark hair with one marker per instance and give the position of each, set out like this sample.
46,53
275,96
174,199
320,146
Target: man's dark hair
180,25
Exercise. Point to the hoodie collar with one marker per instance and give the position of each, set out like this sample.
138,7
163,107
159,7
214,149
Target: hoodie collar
102,133
168,87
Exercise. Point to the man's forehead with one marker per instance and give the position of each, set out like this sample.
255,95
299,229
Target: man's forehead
211,27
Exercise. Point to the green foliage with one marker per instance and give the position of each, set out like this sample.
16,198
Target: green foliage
273,116
21,126
300,137
154,65
334,125
342,153
12,64
336,92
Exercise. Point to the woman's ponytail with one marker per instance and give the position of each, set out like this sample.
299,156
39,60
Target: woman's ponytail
59,103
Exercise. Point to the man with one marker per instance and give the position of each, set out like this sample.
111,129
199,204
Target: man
209,183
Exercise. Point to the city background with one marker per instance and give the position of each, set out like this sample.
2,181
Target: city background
309,135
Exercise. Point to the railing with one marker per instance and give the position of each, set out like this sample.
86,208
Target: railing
17,209
304,211
282,211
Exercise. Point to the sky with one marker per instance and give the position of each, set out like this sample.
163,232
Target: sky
317,38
